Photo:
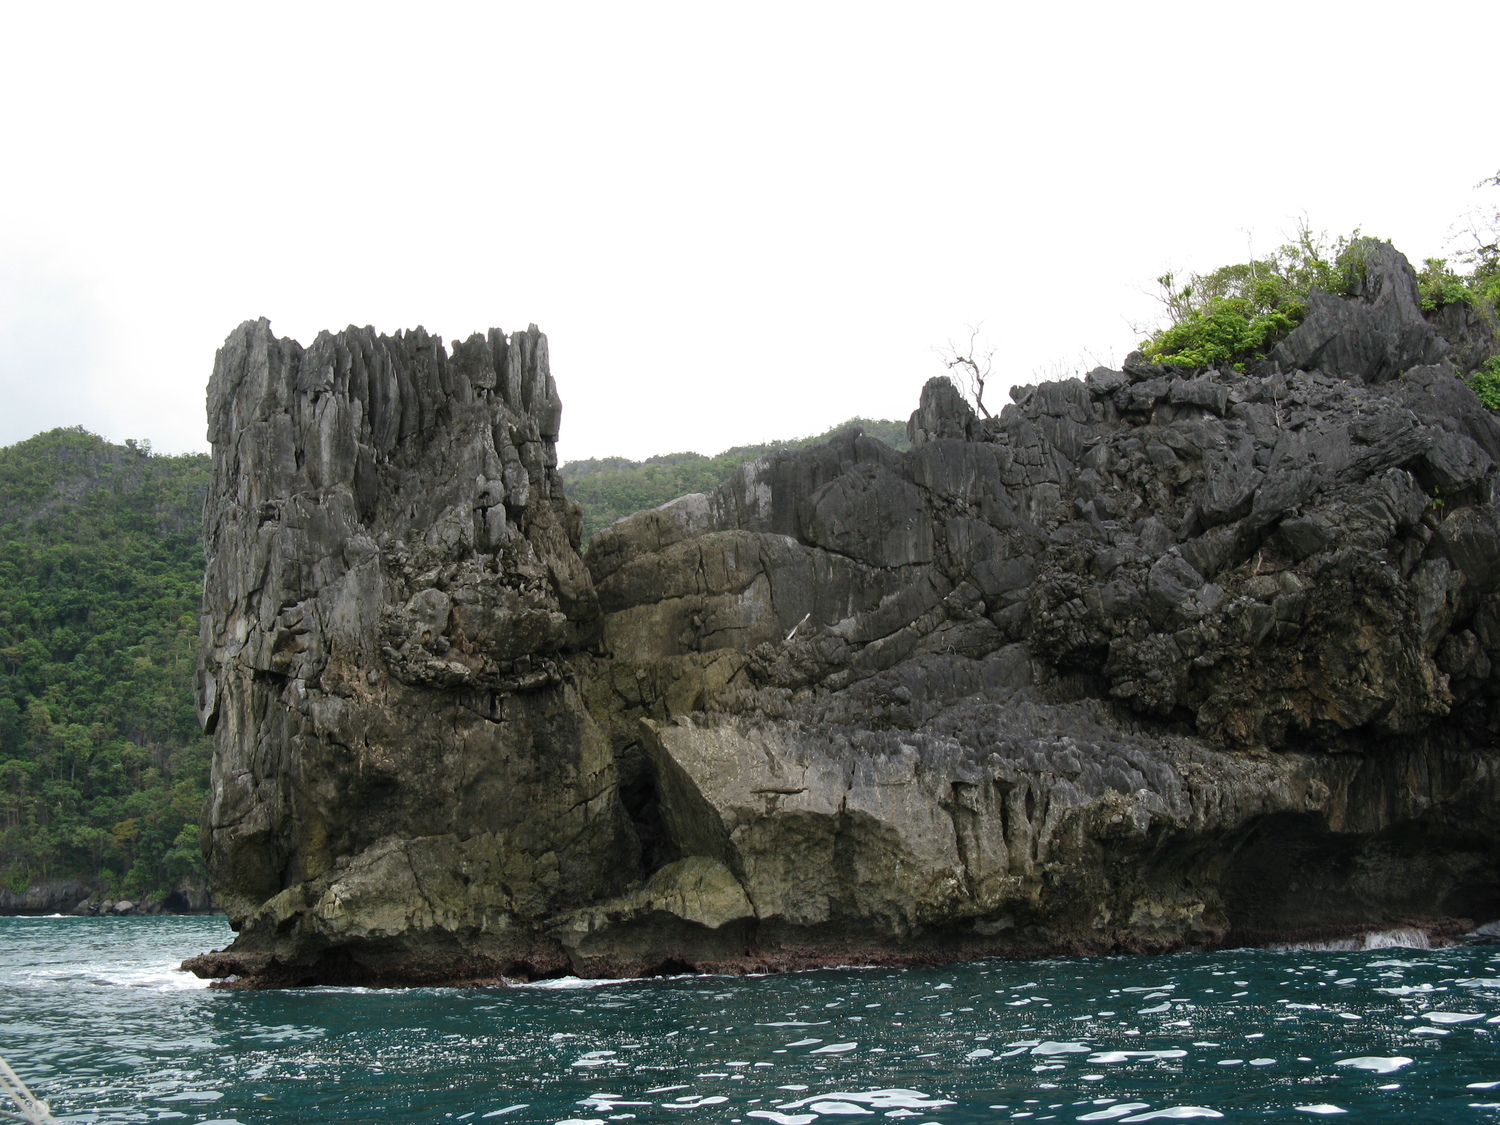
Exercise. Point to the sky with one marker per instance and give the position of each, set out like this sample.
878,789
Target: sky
735,222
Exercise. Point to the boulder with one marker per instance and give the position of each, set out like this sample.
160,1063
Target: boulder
51,896
1375,335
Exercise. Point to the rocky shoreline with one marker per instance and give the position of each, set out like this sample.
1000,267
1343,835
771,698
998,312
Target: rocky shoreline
1155,659
85,900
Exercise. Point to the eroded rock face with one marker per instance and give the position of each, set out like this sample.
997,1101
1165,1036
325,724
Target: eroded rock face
404,767
1155,658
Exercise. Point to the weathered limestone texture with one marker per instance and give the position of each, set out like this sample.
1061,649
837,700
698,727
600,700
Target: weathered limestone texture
1156,658
404,774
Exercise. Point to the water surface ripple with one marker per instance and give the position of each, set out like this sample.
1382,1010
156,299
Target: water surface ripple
95,1017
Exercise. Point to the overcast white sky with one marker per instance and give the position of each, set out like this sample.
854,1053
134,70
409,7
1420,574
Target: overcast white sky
735,222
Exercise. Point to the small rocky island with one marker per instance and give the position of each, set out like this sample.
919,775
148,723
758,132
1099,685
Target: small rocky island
1157,658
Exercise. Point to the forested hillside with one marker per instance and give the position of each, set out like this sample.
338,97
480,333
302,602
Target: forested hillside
102,769
611,487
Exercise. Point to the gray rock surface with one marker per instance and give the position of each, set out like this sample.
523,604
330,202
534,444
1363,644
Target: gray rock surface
57,896
393,591
85,900
1154,658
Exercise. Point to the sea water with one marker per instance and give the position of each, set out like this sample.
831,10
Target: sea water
99,1022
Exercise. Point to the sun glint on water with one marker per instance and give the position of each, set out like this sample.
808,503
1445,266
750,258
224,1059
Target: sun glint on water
97,1019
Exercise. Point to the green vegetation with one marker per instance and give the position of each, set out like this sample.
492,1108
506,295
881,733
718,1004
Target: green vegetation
1438,285
1486,382
609,488
1478,248
103,772
102,769
1237,313
1480,251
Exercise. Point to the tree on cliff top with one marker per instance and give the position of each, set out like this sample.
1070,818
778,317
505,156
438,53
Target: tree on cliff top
973,363
1476,239
1237,313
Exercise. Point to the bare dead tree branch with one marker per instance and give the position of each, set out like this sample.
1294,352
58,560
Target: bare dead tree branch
1475,238
973,363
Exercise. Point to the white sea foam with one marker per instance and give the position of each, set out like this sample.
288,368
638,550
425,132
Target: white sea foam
795,1023
596,1058
1051,1048
160,976
1115,1111
606,1102
567,983
1126,1056
1320,1107
834,1049
1178,1112
876,1099
1380,1064
1452,1017
287,1033
1403,937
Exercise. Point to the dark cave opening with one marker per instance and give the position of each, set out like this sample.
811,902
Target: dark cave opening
1291,878
640,796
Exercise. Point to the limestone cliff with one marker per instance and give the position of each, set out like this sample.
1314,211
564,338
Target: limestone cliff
392,594
1155,658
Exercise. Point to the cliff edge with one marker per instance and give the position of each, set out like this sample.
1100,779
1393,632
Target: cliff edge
1156,658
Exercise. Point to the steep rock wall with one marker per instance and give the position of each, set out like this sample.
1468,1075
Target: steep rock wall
1155,658
403,767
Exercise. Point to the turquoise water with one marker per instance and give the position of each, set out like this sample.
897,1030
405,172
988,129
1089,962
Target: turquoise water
95,1018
